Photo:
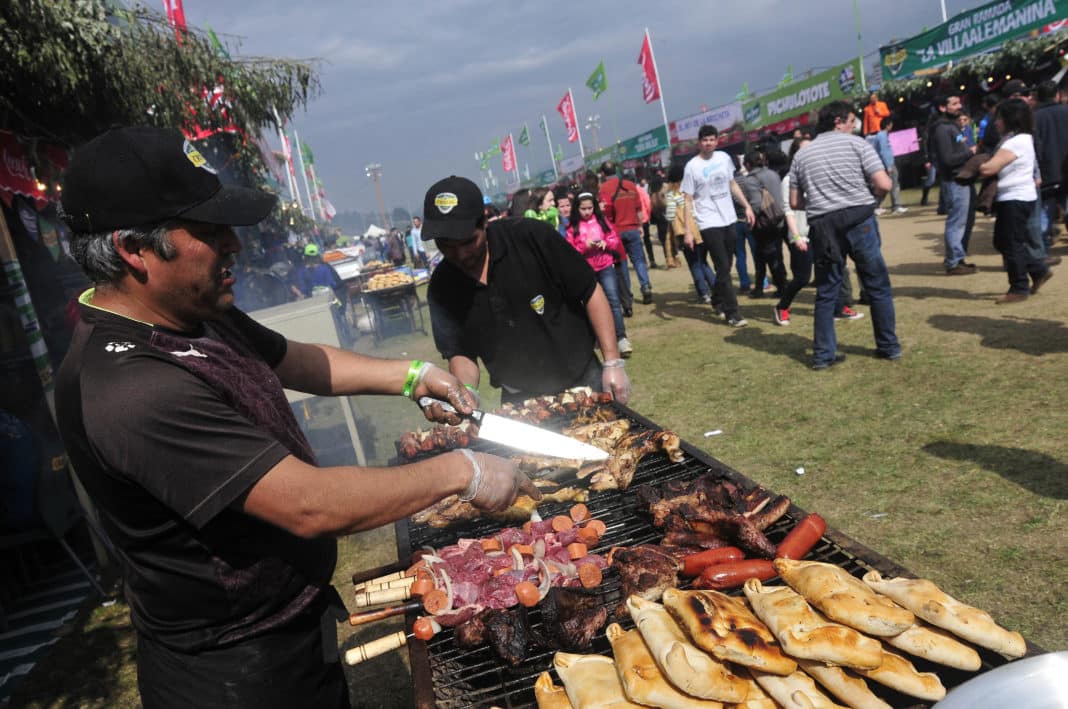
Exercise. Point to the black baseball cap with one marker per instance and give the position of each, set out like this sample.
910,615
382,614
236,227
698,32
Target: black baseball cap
136,176
1015,86
451,209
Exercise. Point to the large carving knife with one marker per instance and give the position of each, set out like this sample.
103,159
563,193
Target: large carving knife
523,436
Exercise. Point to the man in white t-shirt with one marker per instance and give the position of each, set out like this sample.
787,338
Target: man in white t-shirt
710,191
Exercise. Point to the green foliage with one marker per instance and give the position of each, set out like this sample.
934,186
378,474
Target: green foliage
70,69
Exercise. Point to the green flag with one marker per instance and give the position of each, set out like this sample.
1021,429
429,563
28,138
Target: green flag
220,50
559,154
788,77
494,149
744,93
524,135
598,81
306,152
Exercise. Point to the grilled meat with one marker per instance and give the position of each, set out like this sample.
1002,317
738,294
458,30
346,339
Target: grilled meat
438,438
631,448
508,632
451,509
573,617
646,570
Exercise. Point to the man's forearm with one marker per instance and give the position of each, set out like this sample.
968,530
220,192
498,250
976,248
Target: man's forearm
739,196
324,370
600,314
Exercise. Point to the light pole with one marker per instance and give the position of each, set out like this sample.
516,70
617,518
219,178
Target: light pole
593,124
374,171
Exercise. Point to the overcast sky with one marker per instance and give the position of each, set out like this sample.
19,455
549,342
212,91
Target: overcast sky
421,86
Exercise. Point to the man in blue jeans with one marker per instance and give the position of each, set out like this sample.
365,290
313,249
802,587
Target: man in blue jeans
830,180
622,206
949,152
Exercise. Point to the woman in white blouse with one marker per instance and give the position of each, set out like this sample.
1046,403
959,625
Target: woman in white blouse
1014,165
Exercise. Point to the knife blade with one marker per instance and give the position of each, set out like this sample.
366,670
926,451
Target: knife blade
524,436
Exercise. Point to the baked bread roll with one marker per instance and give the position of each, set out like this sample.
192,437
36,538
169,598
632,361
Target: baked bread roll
725,627
929,602
898,673
936,645
693,671
844,598
549,695
795,691
804,633
591,681
757,698
641,678
843,684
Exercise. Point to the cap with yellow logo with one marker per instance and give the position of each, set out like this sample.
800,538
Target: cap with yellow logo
451,209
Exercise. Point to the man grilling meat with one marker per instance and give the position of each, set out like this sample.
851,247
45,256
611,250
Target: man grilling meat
171,406
512,293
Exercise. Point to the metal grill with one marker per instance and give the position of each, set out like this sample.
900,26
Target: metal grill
449,678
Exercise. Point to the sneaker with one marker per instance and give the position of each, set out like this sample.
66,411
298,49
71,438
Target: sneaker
706,299
880,212
1011,298
848,314
891,356
961,269
782,315
901,210
769,287
827,365
737,322
628,312
647,297
625,349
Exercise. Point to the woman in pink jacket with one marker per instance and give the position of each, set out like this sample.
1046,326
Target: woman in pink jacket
593,236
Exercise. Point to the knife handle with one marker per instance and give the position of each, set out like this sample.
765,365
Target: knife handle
425,401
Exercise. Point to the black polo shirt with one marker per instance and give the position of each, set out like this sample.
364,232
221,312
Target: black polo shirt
529,323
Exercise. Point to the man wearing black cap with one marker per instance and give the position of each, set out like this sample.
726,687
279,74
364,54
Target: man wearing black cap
170,403
517,295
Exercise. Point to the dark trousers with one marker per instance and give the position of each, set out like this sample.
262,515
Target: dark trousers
720,243
1011,238
626,295
801,268
767,258
647,238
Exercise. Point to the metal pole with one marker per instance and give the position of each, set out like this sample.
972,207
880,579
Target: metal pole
945,18
660,86
374,171
549,144
293,195
860,47
304,176
578,128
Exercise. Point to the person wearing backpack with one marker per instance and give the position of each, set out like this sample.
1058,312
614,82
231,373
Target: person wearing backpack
763,189
622,207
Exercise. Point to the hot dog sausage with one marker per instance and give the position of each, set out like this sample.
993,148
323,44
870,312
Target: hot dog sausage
733,574
694,564
799,542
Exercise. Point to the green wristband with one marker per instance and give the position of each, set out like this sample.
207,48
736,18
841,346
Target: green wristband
413,377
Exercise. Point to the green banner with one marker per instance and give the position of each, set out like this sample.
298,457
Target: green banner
598,81
803,96
593,160
972,32
639,146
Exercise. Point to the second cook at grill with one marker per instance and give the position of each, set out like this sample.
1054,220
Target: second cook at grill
517,295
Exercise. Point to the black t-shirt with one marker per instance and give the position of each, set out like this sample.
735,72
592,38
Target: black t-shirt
529,323
168,431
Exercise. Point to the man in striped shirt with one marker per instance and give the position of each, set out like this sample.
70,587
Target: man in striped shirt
838,179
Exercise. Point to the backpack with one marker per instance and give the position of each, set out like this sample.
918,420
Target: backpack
769,214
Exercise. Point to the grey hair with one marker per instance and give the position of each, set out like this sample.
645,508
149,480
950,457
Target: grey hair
95,251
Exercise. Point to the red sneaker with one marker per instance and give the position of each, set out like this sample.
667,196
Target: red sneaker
848,314
782,315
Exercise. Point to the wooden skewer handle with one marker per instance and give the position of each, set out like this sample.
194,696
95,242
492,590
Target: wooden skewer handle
386,595
403,573
375,648
392,583
381,613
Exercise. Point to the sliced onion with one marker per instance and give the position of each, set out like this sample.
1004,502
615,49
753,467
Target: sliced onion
448,591
429,550
517,559
546,584
534,516
539,549
494,554
433,559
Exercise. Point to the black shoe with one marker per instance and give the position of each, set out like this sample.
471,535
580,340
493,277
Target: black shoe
892,356
961,270
628,312
647,298
1053,260
818,366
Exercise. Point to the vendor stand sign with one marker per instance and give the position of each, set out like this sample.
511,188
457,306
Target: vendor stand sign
968,33
803,96
722,118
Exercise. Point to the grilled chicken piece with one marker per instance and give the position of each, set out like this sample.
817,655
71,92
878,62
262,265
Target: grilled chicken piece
646,570
450,509
626,454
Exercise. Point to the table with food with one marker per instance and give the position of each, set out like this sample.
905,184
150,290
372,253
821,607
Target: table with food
650,574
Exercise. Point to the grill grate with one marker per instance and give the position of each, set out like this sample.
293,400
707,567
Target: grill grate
449,678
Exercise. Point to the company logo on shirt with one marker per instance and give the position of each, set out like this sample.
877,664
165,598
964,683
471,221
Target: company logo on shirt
119,346
537,304
191,352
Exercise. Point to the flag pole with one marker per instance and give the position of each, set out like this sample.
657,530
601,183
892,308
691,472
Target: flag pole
578,128
549,144
515,159
304,174
288,157
660,85
318,198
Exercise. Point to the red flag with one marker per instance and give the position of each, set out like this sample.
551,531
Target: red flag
650,82
567,109
176,17
508,154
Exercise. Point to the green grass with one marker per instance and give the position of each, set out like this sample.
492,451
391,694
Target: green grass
950,462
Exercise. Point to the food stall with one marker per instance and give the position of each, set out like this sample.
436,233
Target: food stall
446,675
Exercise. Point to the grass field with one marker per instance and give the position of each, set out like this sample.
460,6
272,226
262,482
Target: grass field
950,462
